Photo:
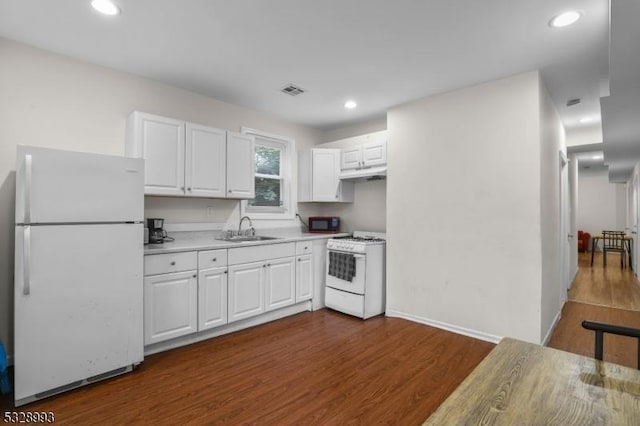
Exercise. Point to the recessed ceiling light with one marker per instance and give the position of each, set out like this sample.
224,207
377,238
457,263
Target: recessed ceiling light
565,19
106,7
584,120
350,104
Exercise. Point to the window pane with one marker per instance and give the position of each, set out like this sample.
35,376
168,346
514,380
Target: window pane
268,193
267,160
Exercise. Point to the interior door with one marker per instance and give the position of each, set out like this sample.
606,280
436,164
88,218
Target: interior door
566,238
635,218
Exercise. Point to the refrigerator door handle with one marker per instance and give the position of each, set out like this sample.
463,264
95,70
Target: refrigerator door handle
26,261
27,188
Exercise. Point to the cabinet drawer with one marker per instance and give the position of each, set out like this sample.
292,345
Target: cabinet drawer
155,264
304,247
212,258
263,252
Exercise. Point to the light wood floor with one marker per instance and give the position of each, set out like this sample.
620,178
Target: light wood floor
571,337
612,286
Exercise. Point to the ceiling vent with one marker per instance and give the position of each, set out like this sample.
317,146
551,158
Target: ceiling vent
292,89
572,102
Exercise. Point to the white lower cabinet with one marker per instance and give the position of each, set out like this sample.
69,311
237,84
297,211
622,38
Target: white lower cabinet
280,283
246,290
304,277
212,298
258,287
188,292
170,306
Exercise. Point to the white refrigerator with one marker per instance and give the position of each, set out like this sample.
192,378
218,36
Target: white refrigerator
78,269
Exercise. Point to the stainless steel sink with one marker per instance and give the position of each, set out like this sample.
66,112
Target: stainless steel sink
245,238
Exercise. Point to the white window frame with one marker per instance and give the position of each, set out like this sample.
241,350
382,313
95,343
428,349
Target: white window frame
286,166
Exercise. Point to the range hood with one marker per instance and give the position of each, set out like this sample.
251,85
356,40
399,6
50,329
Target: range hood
365,174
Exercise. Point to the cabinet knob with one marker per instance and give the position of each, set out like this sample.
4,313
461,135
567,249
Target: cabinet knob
230,191
194,275
173,263
189,189
306,248
182,188
336,196
215,259
225,271
264,266
299,260
268,264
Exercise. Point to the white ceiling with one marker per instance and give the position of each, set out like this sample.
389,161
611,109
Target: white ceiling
380,53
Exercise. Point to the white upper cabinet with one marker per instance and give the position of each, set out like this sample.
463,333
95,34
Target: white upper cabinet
186,159
351,158
160,141
241,165
205,165
367,151
319,177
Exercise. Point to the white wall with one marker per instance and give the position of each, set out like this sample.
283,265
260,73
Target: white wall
601,204
50,100
584,135
357,129
463,210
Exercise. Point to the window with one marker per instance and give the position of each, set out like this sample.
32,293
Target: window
272,176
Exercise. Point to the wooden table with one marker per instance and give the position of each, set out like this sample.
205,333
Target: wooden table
627,239
520,383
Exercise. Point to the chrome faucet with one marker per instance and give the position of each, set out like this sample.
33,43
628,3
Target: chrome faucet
253,231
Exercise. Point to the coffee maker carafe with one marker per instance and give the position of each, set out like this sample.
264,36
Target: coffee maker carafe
156,232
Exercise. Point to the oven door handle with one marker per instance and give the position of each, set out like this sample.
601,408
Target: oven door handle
357,256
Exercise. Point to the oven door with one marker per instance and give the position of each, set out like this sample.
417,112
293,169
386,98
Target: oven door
356,285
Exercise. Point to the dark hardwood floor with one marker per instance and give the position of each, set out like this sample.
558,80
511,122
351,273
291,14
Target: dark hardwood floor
322,368
313,368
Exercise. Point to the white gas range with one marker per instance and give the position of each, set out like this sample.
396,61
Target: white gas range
356,274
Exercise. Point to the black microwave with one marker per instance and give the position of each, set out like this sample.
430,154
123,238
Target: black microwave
324,224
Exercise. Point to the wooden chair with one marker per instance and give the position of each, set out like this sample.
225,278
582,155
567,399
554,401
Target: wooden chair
613,241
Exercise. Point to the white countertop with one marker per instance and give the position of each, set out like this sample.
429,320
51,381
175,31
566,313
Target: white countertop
206,240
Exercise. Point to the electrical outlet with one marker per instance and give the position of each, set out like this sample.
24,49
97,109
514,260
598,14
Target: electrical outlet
210,211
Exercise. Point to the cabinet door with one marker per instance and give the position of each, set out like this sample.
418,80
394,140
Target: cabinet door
246,290
351,158
325,176
170,306
374,153
241,166
205,161
212,298
304,277
162,141
280,283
